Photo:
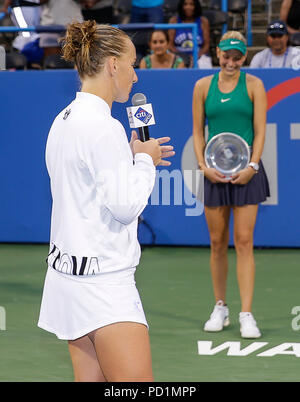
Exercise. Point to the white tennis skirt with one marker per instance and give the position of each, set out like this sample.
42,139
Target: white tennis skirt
73,306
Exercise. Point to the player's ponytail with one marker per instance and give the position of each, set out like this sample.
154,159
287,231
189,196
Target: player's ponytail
88,45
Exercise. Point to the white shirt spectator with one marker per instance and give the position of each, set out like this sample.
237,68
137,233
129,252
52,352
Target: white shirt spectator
267,59
61,12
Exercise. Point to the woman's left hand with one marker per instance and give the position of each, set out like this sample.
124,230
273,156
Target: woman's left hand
166,150
243,177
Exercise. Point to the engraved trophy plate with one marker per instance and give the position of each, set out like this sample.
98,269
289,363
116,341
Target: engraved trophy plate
228,153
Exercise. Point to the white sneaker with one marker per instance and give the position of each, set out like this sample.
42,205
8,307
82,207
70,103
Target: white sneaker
219,318
248,326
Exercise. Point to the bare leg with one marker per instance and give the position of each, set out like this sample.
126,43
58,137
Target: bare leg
123,350
244,223
218,225
84,359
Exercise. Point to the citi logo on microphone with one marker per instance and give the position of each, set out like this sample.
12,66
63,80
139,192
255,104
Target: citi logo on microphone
143,115
140,116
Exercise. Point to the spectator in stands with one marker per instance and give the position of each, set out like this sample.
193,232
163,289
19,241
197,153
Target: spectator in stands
160,56
100,11
56,12
290,14
23,14
147,11
181,40
278,54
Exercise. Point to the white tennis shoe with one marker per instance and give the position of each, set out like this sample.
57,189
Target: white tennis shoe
219,318
248,326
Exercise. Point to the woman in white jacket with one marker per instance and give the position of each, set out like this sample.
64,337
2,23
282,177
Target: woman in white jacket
100,184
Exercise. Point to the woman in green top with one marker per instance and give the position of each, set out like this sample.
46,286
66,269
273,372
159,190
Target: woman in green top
232,101
161,57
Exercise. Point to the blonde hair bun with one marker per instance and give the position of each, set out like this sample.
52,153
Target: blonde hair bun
88,45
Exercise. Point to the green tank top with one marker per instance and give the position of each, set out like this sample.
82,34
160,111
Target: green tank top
230,112
177,60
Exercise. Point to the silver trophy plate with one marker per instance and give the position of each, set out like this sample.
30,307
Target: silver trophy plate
228,153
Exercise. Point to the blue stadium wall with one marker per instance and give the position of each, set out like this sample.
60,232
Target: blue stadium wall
30,101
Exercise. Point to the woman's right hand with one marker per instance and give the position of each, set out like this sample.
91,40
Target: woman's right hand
214,175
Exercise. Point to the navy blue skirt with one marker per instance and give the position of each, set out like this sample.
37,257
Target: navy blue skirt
254,192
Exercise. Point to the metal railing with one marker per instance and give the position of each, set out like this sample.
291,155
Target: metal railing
147,26
270,10
131,27
249,20
249,23
124,27
174,26
225,9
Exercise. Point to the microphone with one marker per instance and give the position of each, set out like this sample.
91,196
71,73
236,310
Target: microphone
138,100
140,115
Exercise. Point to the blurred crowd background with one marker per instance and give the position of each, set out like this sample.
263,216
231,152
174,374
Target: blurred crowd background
164,49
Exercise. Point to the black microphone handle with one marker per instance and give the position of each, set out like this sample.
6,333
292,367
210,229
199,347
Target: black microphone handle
144,133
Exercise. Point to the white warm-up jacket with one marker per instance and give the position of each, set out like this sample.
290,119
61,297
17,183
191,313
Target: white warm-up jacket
98,190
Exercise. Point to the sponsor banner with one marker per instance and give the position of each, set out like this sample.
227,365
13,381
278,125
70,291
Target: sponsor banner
174,215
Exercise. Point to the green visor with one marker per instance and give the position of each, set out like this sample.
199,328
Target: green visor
228,44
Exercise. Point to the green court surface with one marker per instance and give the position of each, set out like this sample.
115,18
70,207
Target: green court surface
175,287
